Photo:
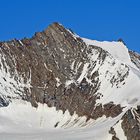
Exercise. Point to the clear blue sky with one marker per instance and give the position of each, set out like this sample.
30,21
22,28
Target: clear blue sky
95,19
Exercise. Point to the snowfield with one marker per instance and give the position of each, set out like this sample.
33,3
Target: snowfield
20,121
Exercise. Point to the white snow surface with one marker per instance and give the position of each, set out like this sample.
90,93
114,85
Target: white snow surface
119,131
8,85
117,49
21,121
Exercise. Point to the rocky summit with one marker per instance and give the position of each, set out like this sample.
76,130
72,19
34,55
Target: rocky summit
57,80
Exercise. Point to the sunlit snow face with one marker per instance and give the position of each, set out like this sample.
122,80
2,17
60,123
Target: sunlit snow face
27,123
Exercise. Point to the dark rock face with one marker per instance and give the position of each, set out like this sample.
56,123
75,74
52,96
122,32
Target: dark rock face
55,67
131,124
3,103
112,132
135,58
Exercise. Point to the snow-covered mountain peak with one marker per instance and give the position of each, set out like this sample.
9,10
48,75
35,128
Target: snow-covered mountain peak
63,79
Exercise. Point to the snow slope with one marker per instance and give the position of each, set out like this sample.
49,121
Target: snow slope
27,123
132,84
117,49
